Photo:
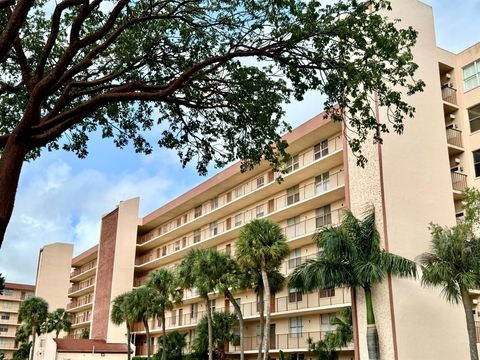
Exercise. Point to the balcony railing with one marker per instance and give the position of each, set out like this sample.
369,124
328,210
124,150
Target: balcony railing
288,341
459,181
334,143
292,302
84,268
80,302
81,285
449,94
305,192
454,137
81,319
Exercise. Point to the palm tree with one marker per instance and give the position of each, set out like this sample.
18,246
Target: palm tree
143,304
59,320
23,333
199,271
33,312
168,294
351,256
453,264
262,245
173,344
121,313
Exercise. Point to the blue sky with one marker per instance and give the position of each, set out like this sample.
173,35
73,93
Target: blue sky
62,198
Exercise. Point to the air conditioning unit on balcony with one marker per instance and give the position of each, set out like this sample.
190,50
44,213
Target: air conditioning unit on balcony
457,161
448,76
452,116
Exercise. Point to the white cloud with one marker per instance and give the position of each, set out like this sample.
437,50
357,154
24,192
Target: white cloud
55,203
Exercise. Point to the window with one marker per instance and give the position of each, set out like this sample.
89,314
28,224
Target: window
296,326
196,236
327,292
293,195
5,316
326,322
320,150
213,228
212,304
260,181
22,295
294,259
193,310
214,204
184,241
8,292
3,328
474,118
164,228
294,295
323,216
260,211
228,249
164,250
239,191
229,196
177,245
321,183
174,317
476,162
471,76
238,220
179,222
185,218
198,211
292,164
293,227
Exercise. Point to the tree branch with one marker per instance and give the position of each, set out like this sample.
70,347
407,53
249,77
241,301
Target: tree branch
15,22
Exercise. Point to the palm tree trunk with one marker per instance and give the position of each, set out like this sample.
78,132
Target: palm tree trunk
261,311
164,337
149,345
238,311
209,325
266,338
34,334
129,346
472,332
372,334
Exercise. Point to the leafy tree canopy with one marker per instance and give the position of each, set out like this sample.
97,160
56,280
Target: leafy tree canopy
211,75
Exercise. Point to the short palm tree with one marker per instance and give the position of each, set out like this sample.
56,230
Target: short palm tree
453,264
143,305
121,313
168,294
173,344
351,256
262,245
23,333
199,271
33,312
59,320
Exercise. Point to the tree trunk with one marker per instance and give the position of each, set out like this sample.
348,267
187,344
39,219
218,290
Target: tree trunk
11,162
209,326
149,345
34,334
238,311
129,346
472,332
372,334
268,300
262,322
164,337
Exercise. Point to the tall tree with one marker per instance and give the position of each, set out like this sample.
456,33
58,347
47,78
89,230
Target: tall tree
262,245
33,313
121,313
453,264
199,271
59,320
352,256
144,304
214,74
168,294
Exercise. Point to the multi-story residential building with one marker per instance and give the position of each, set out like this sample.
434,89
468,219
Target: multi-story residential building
411,180
10,301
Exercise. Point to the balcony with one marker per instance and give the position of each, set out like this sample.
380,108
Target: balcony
311,195
309,164
80,320
449,97
84,272
320,301
79,305
289,341
81,288
454,141
459,183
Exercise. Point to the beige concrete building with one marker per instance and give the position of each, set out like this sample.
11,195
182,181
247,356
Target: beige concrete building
10,301
411,180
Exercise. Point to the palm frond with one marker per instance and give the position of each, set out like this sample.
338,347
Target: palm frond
398,265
